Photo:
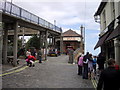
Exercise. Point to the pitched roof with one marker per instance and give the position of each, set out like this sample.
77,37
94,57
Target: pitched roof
70,33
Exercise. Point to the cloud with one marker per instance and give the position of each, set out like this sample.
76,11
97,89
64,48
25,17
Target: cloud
64,13
69,14
92,35
58,0
90,48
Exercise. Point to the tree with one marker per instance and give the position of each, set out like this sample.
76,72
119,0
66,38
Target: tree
33,42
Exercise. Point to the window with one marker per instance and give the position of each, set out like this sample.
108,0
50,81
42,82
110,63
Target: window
118,8
104,20
113,10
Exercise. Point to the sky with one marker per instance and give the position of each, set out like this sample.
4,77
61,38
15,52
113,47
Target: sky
69,14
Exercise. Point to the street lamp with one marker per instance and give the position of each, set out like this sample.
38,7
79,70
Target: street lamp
97,18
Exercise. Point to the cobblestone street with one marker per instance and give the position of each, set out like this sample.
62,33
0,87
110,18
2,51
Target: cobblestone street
53,73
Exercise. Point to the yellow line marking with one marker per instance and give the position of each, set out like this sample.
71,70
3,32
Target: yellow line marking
14,71
93,84
18,70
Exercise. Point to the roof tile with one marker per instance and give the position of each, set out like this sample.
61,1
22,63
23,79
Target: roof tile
70,33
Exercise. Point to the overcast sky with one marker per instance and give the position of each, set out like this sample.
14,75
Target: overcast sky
69,14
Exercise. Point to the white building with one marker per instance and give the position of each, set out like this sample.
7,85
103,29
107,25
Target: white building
108,15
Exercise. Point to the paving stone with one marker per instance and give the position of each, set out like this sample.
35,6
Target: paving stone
54,73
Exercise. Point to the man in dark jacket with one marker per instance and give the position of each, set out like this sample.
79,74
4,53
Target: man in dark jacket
101,61
85,66
40,56
109,78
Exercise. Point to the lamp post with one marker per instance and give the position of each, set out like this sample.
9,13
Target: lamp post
83,38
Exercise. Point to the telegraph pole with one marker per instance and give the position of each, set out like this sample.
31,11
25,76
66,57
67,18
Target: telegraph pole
82,45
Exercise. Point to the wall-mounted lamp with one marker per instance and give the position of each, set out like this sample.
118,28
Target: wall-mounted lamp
97,18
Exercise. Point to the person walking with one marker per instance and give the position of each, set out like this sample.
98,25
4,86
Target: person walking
85,65
94,64
100,62
109,78
33,52
40,56
94,67
80,64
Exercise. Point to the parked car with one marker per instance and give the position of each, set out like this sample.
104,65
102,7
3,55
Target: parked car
53,52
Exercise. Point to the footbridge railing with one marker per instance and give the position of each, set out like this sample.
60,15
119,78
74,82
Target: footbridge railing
14,10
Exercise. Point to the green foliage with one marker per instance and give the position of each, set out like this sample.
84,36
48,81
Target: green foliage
19,43
10,45
33,42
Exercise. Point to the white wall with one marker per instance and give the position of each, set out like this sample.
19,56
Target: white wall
109,15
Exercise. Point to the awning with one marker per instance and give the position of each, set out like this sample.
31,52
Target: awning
101,40
115,33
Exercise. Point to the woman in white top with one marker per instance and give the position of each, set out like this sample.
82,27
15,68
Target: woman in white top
90,66
28,53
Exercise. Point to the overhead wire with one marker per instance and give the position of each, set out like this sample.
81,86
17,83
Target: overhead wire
84,25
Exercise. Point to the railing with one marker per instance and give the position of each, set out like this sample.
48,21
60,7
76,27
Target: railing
12,9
